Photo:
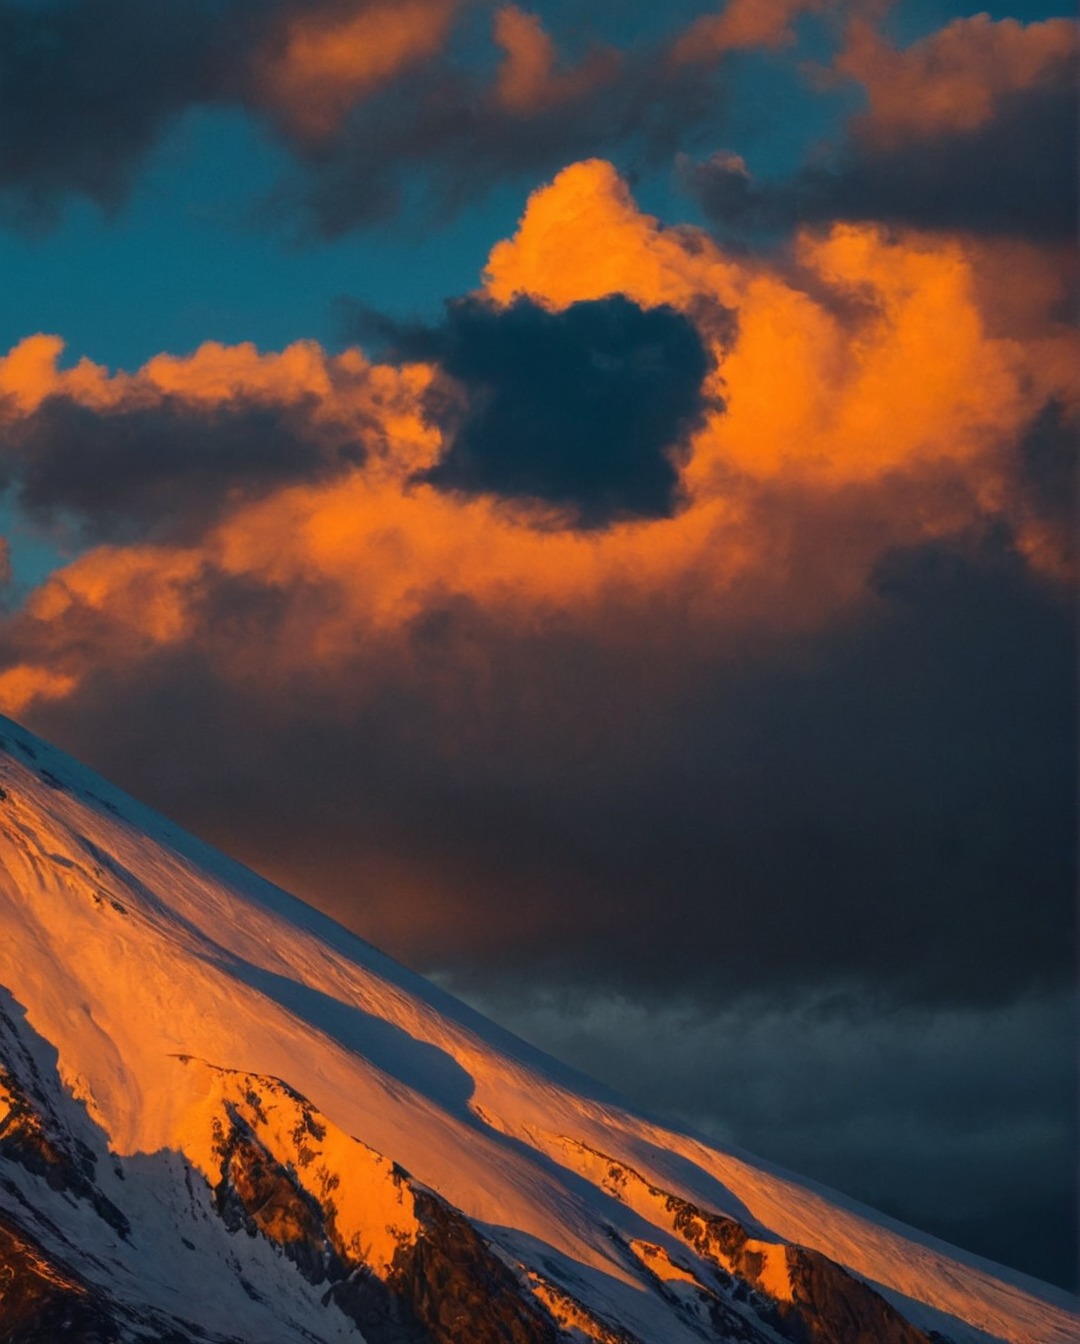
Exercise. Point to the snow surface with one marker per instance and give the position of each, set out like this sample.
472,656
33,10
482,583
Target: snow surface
151,964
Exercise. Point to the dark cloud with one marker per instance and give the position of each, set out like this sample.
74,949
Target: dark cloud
586,408
163,469
87,86
658,807
1015,176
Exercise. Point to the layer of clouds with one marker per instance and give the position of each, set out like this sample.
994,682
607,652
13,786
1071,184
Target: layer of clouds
889,803
168,469
972,128
377,102
417,107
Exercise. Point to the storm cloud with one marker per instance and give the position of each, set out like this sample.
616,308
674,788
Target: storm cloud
166,469
584,409
1014,177
378,111
887,804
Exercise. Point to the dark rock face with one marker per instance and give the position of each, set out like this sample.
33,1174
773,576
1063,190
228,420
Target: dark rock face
457,1288
42,1300
836,1308
32,1135
446,1287
829,1305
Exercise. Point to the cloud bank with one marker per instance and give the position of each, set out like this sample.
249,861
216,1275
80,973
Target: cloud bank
713,608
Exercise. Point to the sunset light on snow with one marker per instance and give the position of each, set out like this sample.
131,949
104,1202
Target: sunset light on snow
584,496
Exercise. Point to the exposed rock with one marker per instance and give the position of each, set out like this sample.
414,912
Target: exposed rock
838,1308
32,1135
445,1286
458,1288
260,1194
41,1300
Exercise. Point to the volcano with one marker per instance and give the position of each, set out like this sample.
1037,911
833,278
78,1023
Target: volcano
224,1117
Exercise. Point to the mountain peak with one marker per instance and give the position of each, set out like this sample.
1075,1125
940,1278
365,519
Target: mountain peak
223,1116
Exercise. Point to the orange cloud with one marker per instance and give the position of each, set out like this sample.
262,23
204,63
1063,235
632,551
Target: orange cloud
879,360
953,79
742,25
528,79
344,389
870,400
323,62
29,374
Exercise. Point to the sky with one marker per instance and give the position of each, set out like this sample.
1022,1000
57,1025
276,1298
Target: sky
585,496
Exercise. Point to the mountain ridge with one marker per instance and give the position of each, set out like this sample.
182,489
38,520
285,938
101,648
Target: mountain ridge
154,968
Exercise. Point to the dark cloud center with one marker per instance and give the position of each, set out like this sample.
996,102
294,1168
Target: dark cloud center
165,468
585,409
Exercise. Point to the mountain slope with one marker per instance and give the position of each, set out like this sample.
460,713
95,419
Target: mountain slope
224,1117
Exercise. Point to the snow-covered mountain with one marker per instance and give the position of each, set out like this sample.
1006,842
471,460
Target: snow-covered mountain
223,1117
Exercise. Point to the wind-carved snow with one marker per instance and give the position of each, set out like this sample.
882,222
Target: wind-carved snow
304,1140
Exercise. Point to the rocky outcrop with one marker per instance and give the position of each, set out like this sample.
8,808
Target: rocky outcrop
40,1299
445,1282
259,1194
33,1135
794,1292
457,1287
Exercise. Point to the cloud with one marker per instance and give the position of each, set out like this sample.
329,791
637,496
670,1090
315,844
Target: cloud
743,25
585,408
382,108
529,78
889,807
166,452
425,146
136,470
413,109
814,725
956,78
973,128
86,89
1014,177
